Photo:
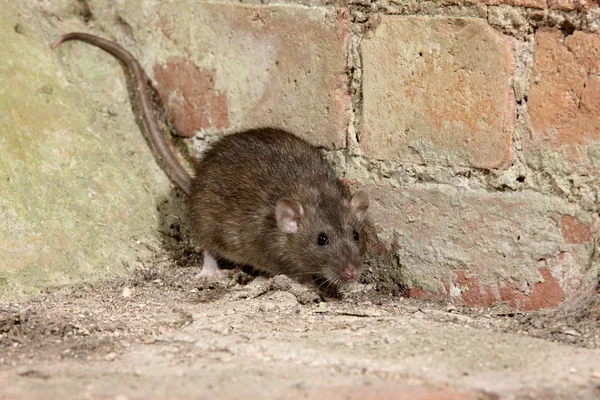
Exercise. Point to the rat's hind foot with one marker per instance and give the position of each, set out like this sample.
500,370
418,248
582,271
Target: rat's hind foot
210,268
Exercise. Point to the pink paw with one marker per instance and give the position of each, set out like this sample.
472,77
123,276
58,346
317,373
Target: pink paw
213,274
210,269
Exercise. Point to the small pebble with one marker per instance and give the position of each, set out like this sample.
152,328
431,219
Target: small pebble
321,309
126,292
266,307
110,356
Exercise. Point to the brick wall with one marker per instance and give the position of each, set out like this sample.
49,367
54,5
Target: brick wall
475,125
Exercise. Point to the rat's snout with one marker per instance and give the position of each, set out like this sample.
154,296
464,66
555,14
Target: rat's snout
350,272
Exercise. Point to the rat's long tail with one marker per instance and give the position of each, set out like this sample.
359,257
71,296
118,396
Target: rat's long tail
159,144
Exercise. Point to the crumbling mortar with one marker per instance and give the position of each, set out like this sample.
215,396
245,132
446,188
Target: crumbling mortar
405,175
521,52
547,183
530,20
355,70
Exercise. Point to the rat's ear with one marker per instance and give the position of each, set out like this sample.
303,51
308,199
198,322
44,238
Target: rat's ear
359,204
288,214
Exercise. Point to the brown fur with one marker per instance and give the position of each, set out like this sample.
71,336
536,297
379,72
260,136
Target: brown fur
238,183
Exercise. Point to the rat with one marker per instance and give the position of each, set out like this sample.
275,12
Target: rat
260,197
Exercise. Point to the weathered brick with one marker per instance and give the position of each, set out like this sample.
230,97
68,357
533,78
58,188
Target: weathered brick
437,90
480,248
541,4
195,106
230,66
586,49
574,231
570,5
543,294
565,5
564,100
472,293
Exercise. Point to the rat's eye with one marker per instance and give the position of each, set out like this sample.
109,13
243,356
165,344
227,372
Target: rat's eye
322,240
355,236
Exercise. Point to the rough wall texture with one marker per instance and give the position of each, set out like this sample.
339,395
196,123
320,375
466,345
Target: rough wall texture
437,91
475,125
78,189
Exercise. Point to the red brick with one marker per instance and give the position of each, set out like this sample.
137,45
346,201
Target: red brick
472,293
437,90
482,248
230,66
586,49
564,100
574,231
192,107
544,294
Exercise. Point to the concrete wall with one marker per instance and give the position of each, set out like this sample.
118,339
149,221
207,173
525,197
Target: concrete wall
475,125
78,186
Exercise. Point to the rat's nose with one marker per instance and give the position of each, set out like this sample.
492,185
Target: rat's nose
349,272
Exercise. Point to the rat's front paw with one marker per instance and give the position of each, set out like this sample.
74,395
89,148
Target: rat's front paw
213,274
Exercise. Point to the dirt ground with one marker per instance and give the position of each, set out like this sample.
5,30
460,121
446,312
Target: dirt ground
163,334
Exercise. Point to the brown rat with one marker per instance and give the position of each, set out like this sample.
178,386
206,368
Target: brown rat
262,197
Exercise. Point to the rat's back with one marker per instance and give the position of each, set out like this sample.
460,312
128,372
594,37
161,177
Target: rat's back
239,181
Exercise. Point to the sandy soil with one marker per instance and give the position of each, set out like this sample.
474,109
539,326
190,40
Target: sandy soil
162,334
